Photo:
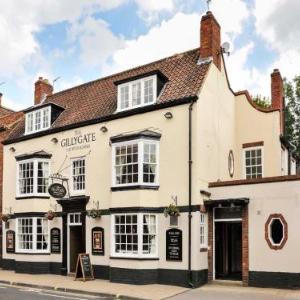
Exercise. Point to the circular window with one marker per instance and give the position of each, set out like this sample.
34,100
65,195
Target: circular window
231,163
276,231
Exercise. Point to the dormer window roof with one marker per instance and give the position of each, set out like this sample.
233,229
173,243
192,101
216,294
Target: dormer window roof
139,91
39,118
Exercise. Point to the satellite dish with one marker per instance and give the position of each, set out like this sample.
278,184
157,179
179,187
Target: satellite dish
225,48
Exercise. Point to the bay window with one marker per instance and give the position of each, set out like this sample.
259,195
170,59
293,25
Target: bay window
32,235
32,177
135,163
134,235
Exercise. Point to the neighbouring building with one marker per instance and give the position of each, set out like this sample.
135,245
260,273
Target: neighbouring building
8,120
128,152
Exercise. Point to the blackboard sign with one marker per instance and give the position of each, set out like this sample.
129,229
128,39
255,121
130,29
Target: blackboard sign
57,190
55,240
84,269
98,241
174,244
10,241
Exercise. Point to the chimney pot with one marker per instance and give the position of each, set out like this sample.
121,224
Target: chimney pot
210,39
42,88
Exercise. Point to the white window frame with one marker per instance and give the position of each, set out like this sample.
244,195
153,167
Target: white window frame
203,226
140,143
33,114
74,192
34,236
140,253
130,84
35,177
270,232
244,160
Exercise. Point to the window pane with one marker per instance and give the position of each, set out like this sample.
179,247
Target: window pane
26,179
136,94
149,163
78,174
149,234
148,91
124,96
43,177
253,163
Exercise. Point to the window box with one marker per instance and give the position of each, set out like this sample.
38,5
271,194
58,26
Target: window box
134,236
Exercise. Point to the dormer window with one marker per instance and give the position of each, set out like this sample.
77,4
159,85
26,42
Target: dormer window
137,93
38,120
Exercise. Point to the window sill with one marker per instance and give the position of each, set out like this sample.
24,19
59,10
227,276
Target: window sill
32,197
134,187
134,258
32,253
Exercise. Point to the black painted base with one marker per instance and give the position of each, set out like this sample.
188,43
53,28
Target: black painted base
120,275
280,280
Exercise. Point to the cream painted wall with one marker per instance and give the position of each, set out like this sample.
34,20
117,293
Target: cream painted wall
266,199
254,126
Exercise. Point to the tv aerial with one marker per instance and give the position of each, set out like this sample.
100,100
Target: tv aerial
226,48
208,2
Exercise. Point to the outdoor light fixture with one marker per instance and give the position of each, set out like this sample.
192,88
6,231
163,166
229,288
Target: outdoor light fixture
54,140
12,149
103,129
168,115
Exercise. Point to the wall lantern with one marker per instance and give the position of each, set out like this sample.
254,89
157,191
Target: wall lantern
104,129
12,149
168,115
54,140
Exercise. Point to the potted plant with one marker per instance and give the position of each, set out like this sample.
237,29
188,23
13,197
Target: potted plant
172,210
5,217
50,215
94,213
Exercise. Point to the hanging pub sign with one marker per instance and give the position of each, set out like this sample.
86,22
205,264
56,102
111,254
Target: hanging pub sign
174,244
10,241
55,240
57,190
84,269
98,241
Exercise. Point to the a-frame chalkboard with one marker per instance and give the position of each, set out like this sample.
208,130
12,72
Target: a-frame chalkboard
84,269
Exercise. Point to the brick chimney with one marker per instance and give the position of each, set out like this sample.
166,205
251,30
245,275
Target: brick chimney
42,89
210,39
277,94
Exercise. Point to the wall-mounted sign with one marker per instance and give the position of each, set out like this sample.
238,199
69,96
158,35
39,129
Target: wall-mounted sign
57,190
98,241
79,141
55,240
84,269
174,244
10,241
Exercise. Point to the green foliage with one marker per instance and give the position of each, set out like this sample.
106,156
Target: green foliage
262,102
292,112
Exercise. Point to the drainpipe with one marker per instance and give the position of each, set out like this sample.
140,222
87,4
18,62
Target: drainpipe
190,199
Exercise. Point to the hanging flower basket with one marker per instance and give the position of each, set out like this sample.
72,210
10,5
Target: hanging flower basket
94,213
50,215
5,217
172,210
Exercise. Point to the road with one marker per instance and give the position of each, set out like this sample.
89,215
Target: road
24,293
216,292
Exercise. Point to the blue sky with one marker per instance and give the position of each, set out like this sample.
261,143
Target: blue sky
81,40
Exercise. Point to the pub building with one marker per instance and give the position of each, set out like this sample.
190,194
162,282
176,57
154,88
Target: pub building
162,174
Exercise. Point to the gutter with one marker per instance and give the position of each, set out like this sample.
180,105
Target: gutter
190,162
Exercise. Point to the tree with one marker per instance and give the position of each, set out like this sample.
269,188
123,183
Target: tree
292,112
262,102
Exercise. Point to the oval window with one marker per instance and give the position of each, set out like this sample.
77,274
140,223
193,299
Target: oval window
231,163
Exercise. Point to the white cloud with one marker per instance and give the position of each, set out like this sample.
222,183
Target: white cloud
155,5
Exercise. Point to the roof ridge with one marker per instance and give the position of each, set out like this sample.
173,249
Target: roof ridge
122,72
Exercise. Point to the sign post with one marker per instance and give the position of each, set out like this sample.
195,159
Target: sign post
84,269
174,244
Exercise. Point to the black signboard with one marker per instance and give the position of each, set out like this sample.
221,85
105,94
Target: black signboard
57,190
98,241
174,244
55,240
84,269
10,241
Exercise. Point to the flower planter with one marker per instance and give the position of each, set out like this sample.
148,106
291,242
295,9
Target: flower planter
50,215
94,213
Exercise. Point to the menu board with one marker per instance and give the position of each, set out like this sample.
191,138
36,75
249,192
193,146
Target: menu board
98,241
174,244
55,240
84,269
10,241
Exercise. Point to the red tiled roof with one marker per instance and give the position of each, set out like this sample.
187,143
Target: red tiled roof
98,98
5,111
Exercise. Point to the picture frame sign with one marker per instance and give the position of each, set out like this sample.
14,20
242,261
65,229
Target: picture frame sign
84,269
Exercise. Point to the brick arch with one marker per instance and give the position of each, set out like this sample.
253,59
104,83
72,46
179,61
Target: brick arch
285,231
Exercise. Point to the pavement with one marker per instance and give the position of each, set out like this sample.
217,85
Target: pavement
98,287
